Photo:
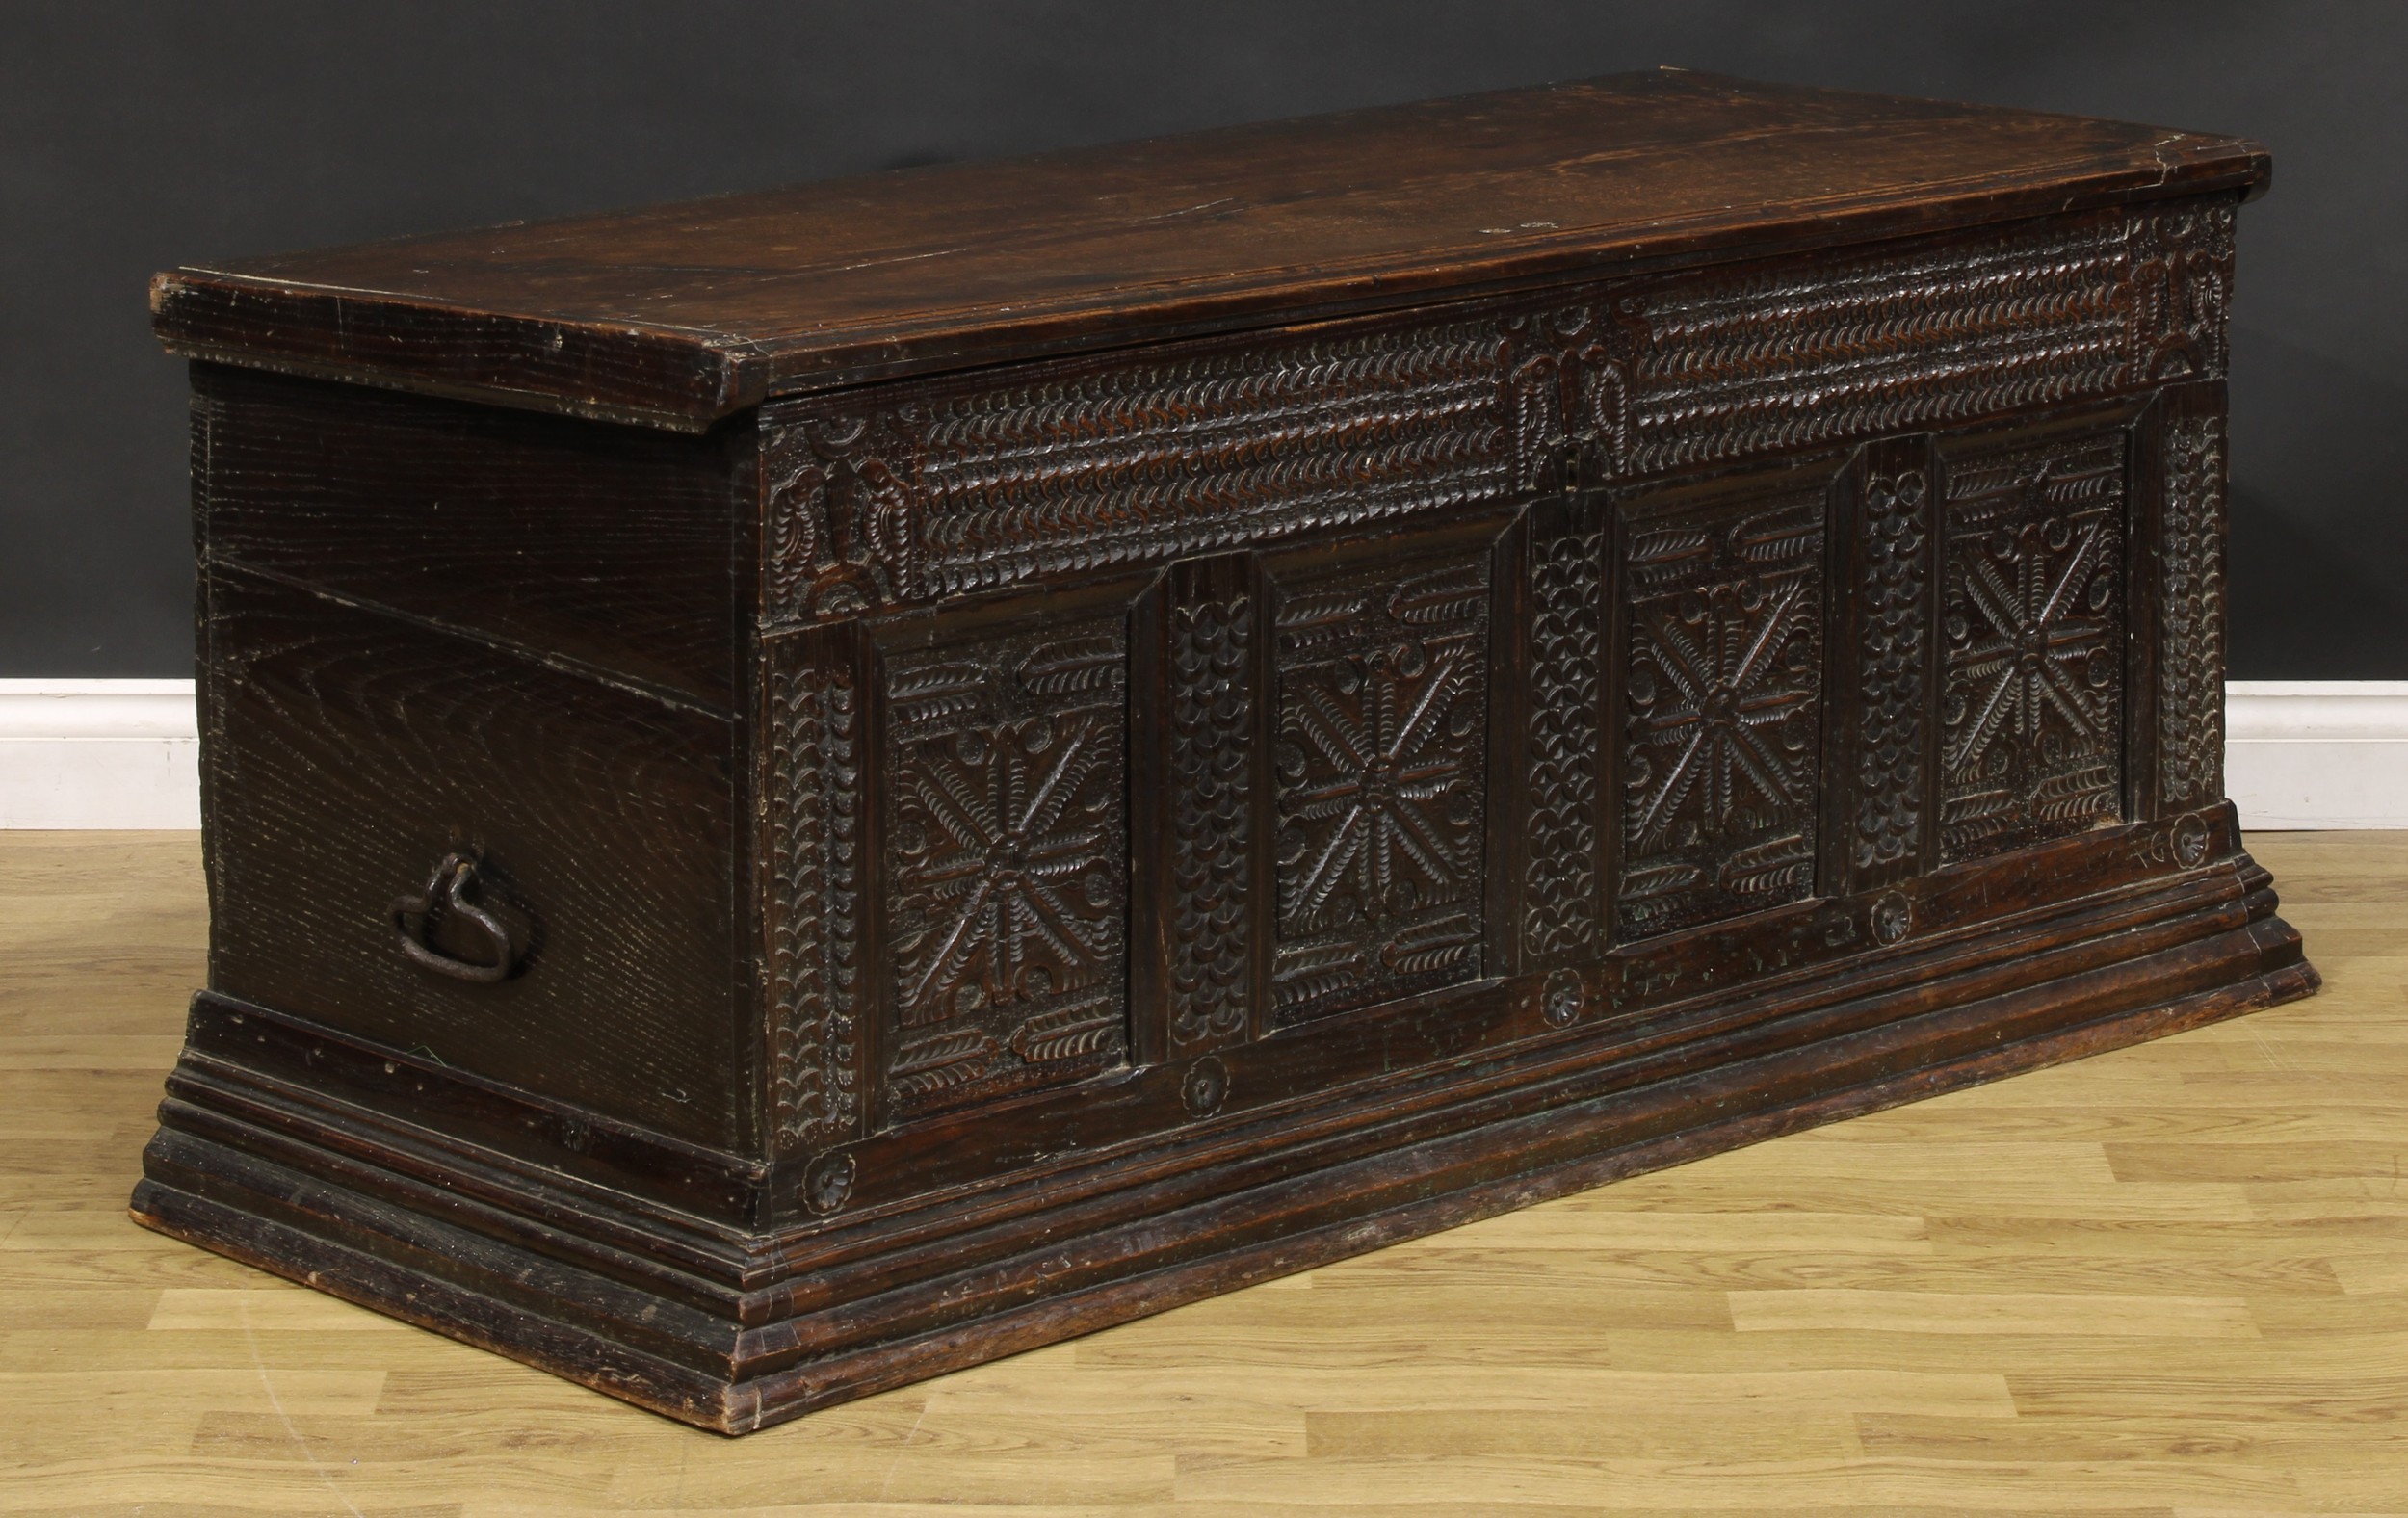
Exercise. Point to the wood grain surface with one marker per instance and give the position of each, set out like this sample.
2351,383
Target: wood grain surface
680,314
2170,1280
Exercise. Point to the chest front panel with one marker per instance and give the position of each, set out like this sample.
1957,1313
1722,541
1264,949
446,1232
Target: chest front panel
1248,697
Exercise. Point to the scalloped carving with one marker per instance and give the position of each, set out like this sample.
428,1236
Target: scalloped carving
2190,615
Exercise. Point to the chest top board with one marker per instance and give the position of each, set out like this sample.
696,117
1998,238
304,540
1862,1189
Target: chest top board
807,788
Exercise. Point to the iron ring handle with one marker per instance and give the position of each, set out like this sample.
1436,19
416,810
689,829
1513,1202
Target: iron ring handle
446,888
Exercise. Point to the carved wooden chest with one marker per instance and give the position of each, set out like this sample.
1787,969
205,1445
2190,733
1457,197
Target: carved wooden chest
810,788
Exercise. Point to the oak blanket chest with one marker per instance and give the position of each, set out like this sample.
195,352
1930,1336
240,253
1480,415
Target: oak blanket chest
808,788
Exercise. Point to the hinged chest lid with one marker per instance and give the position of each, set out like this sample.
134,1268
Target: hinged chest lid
679,315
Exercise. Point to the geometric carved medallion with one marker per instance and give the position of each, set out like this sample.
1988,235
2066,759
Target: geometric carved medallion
2031,706
1379,769
1722,713
1007,865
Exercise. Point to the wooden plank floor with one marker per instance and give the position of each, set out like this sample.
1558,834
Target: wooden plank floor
2170,1280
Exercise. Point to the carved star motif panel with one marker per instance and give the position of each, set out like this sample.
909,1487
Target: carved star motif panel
1007,865
1379,772
1721,710
2031,701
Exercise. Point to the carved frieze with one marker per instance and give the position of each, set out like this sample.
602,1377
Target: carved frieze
2031,701
1690,369
1722,711
2190,615
1058,468
1379,776
1562,914
1087,464
1006,864
815,901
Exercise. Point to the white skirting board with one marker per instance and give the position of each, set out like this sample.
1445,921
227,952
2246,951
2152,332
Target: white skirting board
125,753
2318,753
98,753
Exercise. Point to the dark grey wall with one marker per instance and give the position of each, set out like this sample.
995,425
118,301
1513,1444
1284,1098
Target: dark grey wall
136,136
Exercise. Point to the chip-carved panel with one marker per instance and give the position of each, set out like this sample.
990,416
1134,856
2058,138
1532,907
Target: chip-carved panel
2031,701
1006,864
1379,779
1721,708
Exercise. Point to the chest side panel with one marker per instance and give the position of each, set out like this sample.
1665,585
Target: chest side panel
613,548
349,753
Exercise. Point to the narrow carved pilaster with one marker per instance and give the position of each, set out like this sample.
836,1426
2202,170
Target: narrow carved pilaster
1561,901
1210,809
815,902
1893,585
2190,613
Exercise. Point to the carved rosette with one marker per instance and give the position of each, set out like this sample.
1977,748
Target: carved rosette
814,930
1212,758
1561,914
2031,701
2190,648
1007,865
1895,524
1378,780
2182,288
1721,714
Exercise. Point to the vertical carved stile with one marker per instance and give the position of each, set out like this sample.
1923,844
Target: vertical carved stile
1210,774
1561,901
2190,613
814,908
1891,735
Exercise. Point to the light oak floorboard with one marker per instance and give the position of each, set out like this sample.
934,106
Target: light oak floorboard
2168,1282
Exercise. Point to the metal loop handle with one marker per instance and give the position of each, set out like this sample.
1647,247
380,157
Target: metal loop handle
445,889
